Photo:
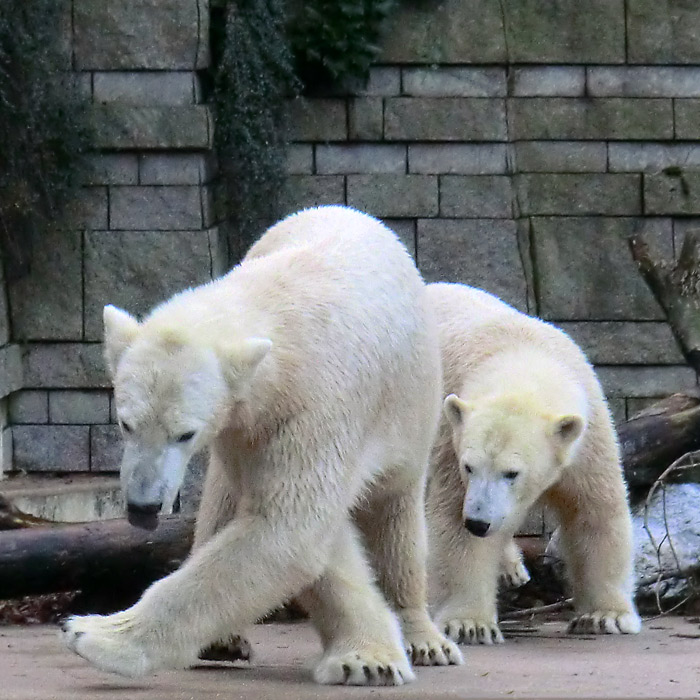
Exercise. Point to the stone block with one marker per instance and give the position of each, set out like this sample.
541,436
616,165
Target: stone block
366,119
646,81
5,451
457,158
87,209
47,304
625,343
448,81
663,31
360,158
4,310
635,406
63,366
300,159
29,407
11,374
680,228
482,253
687,119
645,381
126,127
51,448
156,208
119,270
302,191
448,31
84,407
585,270
146,87
394,195
565,31
176,168
476,196
672,193
405,229
444,119
560,157
618,410
317,119
112,169
382,81
106,448
548,81
652,157
141,34
579,194
614,118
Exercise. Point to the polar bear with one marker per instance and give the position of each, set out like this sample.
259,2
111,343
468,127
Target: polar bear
525,421
312,373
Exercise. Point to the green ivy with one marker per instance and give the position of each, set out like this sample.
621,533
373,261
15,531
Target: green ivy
40,117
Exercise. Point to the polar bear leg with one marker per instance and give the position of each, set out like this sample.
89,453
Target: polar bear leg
394,528
361,637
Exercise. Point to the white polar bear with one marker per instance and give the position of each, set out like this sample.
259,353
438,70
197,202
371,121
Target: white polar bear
312,373
525,421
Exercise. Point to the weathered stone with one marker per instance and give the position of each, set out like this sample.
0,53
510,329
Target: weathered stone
366,119
687,119
382,81
51,448
317,119
585,269
176,168
112,169
444,119
4,310
303,191
579,194
680,228
300,159
127,127
560,157
620,343
652,157
119,270
87,209
646,381
86,407
618,410
106,447
11,374
663,31
565,31
393,195
614,118
549,81
405,229
146,87
6,451
454,82
63,366
141,34
672,193
360,158
448,31
647,81
476,196
156,208
480,253
457,158
29,407
47,304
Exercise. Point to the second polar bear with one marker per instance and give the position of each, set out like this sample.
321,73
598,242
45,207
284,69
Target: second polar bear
525,422
312,373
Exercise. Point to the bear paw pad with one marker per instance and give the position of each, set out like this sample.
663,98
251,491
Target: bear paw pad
606,622
473,631
363,668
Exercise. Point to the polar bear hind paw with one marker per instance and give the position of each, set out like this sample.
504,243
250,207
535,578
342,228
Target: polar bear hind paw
473,631
363,668
606,622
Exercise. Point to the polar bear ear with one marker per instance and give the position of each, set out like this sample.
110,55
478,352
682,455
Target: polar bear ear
568,428
241,359
120,330
456,410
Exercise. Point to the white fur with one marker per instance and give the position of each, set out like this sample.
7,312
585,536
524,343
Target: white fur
525,422
311,371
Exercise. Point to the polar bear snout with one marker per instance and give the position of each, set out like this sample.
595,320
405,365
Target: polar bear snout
477,527
143,515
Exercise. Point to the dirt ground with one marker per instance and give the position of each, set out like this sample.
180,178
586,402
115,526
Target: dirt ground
541,661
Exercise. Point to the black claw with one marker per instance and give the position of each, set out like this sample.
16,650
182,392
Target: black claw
367,672
431,654
346,673
63,624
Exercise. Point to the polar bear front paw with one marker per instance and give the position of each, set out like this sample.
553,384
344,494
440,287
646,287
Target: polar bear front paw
515,574
432,649
606,622
469,630
235,648
107,644
363,668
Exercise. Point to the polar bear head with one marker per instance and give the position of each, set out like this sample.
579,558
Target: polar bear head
173,392
509,453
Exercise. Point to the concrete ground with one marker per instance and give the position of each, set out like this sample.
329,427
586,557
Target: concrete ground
662,662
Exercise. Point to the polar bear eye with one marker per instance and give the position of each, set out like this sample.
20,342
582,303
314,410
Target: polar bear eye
511,476
467,468
185,437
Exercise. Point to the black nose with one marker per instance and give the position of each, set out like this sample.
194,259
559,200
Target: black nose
477,527
143,515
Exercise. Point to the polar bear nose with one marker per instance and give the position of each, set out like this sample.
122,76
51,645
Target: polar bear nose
477,527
